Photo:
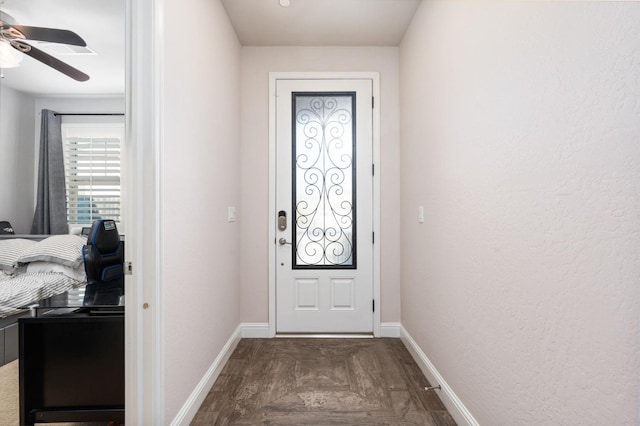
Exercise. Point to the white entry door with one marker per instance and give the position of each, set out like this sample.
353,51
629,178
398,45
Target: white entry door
324,206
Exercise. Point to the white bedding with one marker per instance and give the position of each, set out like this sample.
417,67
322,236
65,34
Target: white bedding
27,288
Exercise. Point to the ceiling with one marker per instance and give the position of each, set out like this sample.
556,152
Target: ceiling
101,23
320,22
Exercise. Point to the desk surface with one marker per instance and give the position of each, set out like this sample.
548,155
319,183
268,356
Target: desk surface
97,295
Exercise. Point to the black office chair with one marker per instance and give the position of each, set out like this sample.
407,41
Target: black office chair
104,264
6,228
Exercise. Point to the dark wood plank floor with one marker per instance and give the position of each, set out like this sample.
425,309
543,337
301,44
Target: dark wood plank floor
321,382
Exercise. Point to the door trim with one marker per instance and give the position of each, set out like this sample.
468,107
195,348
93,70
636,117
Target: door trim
144,329
375,78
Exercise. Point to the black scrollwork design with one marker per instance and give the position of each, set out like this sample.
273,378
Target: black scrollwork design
324,173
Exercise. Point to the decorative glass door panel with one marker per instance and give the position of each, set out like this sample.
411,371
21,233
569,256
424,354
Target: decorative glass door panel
324,180
323,206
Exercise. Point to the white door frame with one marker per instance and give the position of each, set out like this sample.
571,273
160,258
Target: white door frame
273,77
144,346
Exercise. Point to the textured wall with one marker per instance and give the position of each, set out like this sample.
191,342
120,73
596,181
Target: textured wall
200,178
257,62
520,134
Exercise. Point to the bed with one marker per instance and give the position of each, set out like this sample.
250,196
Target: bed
33,270
24,289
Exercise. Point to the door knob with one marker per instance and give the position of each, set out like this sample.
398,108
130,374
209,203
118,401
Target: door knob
283,241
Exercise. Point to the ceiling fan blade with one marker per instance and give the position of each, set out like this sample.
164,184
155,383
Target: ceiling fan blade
50,34
54,63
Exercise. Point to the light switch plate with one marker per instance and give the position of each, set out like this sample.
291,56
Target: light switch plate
420,214
231,214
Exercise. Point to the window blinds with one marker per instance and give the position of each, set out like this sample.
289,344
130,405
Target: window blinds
92,168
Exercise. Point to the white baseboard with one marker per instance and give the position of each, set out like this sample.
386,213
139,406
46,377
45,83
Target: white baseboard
254,330
193,403
390,329
454,405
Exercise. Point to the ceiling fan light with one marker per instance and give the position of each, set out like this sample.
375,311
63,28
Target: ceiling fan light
284,3
9,57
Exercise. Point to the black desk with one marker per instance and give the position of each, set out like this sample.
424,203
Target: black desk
72,360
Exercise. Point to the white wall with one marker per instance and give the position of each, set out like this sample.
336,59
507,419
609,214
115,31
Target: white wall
199,178
16,159
257,62
520,136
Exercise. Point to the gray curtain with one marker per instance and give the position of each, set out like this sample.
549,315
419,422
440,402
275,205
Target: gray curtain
51,209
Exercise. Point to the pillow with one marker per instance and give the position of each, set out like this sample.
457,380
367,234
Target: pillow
62,249
77,274
11,250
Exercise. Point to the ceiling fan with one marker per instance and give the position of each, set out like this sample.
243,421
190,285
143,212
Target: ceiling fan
16,37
